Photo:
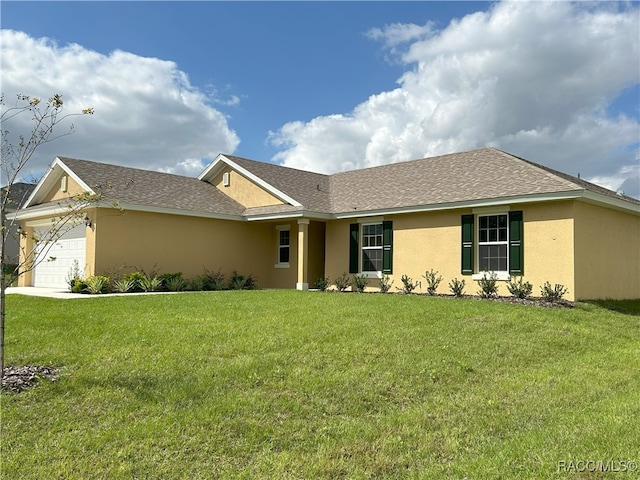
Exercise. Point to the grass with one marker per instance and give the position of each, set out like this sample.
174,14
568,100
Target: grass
286,384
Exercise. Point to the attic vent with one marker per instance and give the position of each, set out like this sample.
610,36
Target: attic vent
63,183
225,179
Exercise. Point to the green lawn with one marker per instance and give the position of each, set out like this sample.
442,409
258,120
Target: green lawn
286,384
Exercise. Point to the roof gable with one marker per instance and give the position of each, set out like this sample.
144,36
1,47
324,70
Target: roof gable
48,186
137,189
222,162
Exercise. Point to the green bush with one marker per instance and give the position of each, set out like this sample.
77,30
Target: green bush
553,294
488,285
137,278
433,280
384,284
519,289
97,284
214,280
175,283
342,282
457,287
408,285
78,285
124,285
74,278
242,282
197,284
359,283
150,284
322,283
168,277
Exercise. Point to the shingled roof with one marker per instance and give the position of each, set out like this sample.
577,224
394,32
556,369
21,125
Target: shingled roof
457,179
483,174
137,188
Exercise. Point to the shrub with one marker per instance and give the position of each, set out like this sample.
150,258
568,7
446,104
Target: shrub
519,289
251,282
408,285
457,287
488,285
197,284
359,283
97,284
124,285
137,278
322,283
175,283
167,277
433,280
554,294
78,285
72,277
150,284
213,280
242,282
237,281
342,282
384,284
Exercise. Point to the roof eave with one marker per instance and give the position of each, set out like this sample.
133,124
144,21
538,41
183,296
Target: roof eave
124,207
290,215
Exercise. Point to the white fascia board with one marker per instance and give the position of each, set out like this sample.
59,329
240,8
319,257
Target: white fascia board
35,212
610,202
216,166
286,216
47,181
212,169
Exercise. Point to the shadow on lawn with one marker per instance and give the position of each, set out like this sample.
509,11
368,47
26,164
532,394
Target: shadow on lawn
626,307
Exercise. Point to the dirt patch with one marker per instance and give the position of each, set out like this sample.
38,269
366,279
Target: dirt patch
17,379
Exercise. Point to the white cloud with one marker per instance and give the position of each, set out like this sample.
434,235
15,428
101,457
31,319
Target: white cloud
148,115
535,79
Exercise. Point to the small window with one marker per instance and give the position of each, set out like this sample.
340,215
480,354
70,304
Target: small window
493,243
372,247
284,246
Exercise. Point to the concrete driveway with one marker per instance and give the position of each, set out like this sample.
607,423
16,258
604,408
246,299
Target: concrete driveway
60,293
45,292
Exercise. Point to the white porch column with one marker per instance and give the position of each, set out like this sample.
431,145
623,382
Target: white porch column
303,254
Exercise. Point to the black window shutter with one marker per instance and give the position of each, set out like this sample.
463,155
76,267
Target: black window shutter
354,236
467,244
516,247
387,247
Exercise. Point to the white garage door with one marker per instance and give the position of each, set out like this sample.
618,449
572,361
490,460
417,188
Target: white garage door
57,262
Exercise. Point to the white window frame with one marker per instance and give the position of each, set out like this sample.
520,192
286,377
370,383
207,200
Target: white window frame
279,229
501,274
371,273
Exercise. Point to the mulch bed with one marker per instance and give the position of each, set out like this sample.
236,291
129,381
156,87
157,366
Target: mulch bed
17,379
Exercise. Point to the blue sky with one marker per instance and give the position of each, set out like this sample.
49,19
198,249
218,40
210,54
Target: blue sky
330,86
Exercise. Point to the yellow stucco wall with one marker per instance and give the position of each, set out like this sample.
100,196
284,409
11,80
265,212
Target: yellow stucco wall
127,241
56,192
425,241
548,245
26,258
244,191
607,244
